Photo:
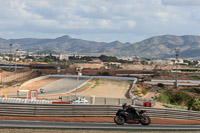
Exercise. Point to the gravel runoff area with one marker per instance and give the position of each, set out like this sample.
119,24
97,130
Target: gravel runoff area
107,88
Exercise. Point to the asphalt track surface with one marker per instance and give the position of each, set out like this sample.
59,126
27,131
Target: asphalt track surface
96,126
63,85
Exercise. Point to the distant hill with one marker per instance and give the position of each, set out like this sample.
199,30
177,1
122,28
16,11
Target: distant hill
163,46
158,46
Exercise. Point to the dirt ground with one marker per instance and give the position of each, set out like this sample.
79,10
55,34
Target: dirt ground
108,88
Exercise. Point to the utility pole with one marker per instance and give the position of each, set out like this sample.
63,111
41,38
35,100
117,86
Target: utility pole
177,53
79,73
16,64
10,55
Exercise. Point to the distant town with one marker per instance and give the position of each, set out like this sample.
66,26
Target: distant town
109,62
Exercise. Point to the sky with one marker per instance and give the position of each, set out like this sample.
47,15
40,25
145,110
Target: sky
98,20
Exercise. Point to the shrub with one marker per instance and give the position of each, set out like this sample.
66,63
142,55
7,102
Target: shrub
105,74
160,85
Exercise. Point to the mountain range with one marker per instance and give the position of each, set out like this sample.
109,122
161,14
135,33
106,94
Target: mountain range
154,47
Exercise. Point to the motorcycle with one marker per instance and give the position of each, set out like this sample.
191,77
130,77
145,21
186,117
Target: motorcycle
132,116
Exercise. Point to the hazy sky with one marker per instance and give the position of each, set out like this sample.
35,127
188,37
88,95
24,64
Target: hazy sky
98,20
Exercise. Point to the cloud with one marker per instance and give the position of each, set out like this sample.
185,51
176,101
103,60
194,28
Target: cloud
96,19
131,24
181,2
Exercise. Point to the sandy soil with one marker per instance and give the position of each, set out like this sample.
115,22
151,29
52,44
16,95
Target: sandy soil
86,65
137,67
12,90
108,88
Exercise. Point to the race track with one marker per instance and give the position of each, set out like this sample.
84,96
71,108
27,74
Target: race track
63,85
105,126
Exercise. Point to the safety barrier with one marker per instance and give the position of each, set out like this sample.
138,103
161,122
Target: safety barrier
181,81
19,100
61,110
111,101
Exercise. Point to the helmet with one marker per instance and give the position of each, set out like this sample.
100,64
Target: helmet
124,105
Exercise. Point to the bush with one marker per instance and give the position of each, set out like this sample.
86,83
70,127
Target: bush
160,85
164,97
193,90
103,73
177,98
144,91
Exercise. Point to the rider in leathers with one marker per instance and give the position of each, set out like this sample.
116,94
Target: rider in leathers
130,110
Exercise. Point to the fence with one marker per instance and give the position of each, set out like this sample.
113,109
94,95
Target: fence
110,101
61,110
19,100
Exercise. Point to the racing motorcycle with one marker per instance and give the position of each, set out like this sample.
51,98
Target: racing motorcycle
132,116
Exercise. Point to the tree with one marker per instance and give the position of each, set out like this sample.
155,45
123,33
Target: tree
194,104
191,62
105,58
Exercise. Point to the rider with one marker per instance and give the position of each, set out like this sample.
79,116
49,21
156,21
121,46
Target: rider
124,106
129,109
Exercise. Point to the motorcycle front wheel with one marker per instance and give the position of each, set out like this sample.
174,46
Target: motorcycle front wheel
145,120
119,120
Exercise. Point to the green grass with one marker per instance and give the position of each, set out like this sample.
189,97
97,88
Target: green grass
195,77
136,92
193,90
87,84
97,83
174,98
9,70
163,98
175,107
144,91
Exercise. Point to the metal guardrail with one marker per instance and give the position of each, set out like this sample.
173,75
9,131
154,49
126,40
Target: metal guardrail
19,100
100,77
181,81
13,109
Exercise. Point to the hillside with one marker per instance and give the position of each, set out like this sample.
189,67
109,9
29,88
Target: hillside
158,46
163,46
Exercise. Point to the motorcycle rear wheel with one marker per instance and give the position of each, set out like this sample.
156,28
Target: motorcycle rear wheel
119,120
145,120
